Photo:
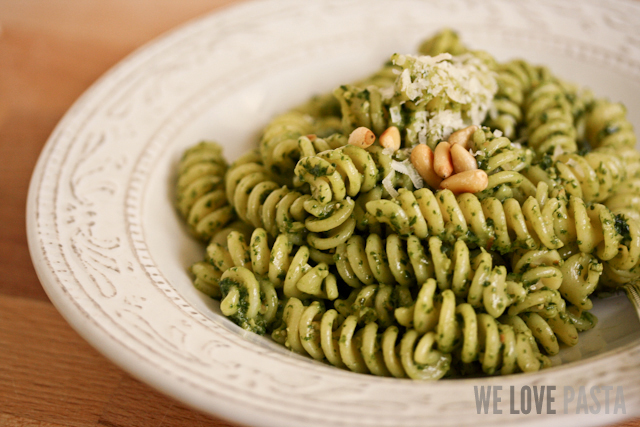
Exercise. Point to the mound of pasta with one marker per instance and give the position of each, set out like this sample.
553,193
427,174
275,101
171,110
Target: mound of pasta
448,216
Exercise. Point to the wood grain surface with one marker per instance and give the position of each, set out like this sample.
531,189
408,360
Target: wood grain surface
50,52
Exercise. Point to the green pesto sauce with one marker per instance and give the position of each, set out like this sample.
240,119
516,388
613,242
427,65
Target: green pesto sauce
257,325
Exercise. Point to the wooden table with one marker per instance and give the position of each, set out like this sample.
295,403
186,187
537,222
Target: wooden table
50,52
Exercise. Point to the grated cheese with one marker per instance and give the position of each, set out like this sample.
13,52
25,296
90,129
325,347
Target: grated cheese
388,184
394,111
407,168
464,87
444,123
387,92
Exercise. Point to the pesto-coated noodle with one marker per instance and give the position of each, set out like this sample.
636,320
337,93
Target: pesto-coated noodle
200,196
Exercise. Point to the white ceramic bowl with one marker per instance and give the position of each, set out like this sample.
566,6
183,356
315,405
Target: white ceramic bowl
113,255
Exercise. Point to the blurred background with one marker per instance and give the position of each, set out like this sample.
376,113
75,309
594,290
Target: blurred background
50,53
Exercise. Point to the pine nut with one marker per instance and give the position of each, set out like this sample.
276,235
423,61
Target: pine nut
466,182
442,160
462,160
463,136
362,137
390,138
422,159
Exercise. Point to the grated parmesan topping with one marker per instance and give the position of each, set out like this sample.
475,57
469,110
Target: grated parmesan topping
407,168
463,86
444,123
497,133
434,126
387,92
388,184
394,111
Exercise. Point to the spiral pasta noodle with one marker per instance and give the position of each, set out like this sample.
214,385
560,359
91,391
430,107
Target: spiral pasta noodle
284,266
363,345
338,173
515,79
445,41
200,197
503,162
609,130
343,342
329,225
264,203
250,302
506,109
363,255
593,177
599,174
607,126
280,147
549,119
488,223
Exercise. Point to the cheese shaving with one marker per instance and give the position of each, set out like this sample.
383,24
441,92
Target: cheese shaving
387,92
497,133
388,184
407,168
394,111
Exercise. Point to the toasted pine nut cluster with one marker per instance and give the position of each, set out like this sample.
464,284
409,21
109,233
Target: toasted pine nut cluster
450,166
